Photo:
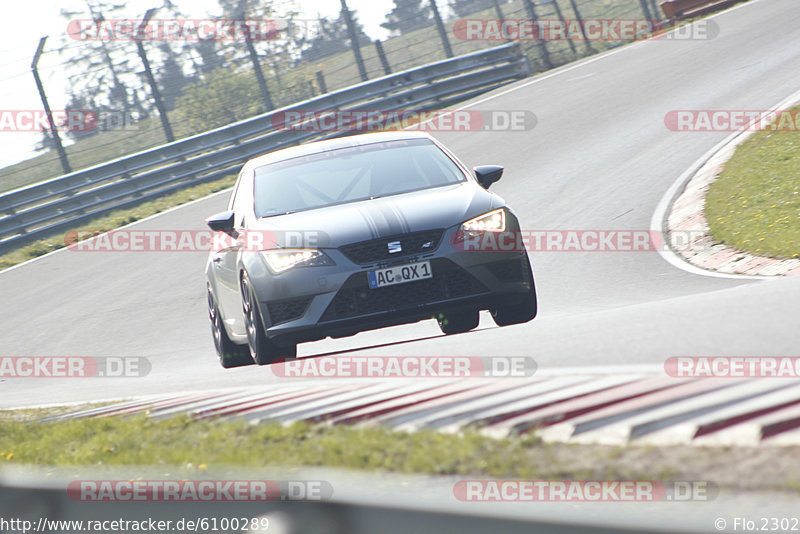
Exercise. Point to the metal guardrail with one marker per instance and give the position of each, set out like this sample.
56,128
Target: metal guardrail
46,208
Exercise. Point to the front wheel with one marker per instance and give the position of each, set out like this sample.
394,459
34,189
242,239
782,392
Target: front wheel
229,353
262,350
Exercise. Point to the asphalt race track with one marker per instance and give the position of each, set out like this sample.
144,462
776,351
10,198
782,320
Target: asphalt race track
600,158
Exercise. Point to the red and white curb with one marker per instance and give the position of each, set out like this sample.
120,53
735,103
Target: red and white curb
687,217
582,406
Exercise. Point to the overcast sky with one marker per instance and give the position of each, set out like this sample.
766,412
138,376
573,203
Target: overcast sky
24,22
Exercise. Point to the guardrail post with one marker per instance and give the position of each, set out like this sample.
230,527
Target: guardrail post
323,87
62,155
162,112
578,16
382,56
351,29
448,51
543,52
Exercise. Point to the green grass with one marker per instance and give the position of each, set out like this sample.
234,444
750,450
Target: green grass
403,52
115,219
181,441
184,446
754,205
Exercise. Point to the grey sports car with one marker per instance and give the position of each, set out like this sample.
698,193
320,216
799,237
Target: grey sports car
358,233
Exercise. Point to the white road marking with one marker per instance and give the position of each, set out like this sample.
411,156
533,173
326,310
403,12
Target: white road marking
658,223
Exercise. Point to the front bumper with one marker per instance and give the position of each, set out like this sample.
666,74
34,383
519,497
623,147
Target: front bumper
312,303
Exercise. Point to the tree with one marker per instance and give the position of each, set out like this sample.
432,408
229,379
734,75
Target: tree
408,15
171,79
98,69
218,99
332,37
45,142
210,59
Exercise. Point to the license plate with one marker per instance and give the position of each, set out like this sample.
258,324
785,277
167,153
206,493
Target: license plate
399,274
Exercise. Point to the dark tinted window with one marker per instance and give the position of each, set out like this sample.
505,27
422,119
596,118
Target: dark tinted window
352,174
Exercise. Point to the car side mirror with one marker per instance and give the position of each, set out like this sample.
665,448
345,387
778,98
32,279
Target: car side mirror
221,222
487,174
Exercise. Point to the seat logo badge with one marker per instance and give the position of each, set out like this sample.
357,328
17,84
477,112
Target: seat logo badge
395,247
427,244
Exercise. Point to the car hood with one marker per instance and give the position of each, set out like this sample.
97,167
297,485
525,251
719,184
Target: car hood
334,226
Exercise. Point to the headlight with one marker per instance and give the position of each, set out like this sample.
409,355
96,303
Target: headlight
494,221
281,260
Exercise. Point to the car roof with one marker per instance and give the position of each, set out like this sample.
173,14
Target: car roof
326,145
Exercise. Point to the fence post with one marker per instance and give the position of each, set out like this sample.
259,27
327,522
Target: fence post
448,51
500,17
543,52
382,56
62,155
99,17
578,16
560,16
645,10
498,11
262,82
251,52
656,10
162,112
351,29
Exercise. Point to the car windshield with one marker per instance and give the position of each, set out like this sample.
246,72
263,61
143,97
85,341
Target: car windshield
352,174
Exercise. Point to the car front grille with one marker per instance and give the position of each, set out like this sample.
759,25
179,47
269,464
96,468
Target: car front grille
281,311
355,298
376,250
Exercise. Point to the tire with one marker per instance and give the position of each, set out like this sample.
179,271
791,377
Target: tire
229,353
521,310
458,322
262,350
